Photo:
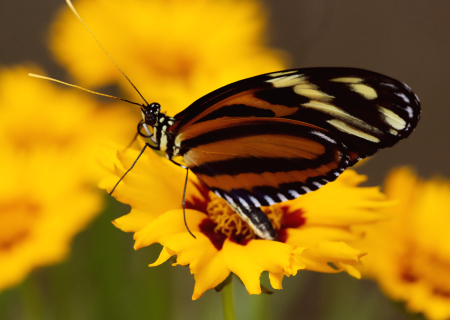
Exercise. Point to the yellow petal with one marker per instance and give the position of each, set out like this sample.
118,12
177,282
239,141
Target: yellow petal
248,261
166,225
134,221
147,184
345,204
237,260
276,280
311,234
351,270
188,249
210,274
164,255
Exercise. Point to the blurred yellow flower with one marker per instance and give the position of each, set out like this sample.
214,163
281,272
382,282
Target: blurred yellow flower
174,51
410,254
49,140
314,231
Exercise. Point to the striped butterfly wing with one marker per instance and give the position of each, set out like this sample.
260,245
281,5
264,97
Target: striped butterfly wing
251,140
253,162
364,110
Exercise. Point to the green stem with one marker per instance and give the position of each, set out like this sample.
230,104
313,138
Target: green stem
227,301
32,298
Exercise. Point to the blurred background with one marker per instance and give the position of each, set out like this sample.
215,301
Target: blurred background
407,40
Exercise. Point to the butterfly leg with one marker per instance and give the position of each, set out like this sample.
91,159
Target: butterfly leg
257,220
184,196
132,166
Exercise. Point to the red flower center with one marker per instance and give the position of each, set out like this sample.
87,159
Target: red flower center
222,222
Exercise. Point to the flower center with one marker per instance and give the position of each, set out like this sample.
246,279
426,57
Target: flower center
230,223
428,268
223,222
17,216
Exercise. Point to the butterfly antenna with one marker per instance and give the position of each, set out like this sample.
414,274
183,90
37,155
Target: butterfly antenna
184,204
69,3
78,87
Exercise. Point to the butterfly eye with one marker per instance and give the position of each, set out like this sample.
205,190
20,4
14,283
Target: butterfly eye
150,119
150,113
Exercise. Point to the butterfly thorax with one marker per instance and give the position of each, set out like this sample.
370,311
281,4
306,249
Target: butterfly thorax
160,123
162,134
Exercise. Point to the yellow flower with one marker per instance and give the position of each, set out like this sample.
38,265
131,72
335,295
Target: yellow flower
410,254
314,231
174,51
38,115
42,206
49,140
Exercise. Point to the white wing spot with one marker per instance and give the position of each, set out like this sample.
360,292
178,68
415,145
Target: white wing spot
306,189
217,193
410,111
281,73
294,193
318,185
364,90
255,201
229,199
269,200
347,80
311,91
322,135
336,173
391,85
351,130
286,81
329,109
394,132
282,197
403,96
243,202
392,118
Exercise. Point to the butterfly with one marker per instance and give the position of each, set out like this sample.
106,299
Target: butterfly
276,136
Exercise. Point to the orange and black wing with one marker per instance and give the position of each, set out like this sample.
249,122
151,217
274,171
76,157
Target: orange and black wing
252,141
364,110
259,162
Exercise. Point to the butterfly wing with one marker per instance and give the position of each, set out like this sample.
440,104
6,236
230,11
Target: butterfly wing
253,162
364,110
253,139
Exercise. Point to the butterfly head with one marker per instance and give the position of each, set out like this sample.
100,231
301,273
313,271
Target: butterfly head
150,114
